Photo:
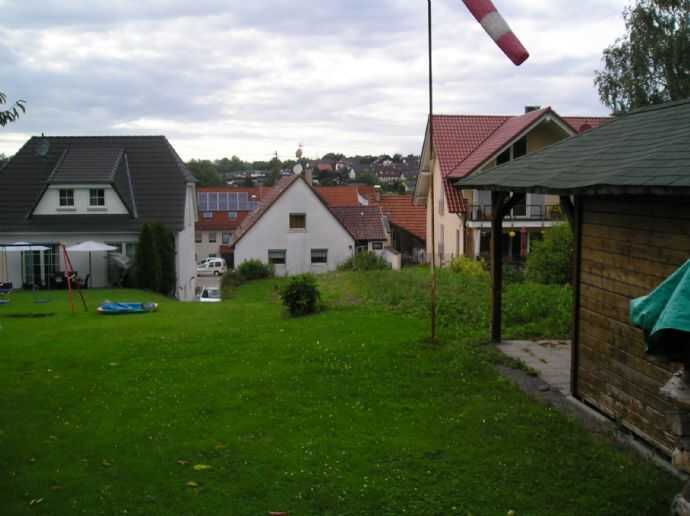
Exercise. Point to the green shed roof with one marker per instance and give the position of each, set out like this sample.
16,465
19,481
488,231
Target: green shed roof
644,152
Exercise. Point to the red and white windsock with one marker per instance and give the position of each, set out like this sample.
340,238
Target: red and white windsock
498,29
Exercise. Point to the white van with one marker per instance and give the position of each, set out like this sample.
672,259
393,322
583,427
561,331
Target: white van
211,267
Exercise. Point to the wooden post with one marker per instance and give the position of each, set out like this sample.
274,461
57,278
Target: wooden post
497,210
575,337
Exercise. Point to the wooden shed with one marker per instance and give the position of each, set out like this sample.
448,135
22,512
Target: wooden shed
626,189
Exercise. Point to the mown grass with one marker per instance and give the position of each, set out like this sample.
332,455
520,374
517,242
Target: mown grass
346,412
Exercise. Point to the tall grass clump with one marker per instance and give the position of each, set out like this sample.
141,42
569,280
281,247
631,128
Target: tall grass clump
365,261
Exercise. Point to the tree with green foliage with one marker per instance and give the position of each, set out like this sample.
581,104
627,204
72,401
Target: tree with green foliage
11,114
550,261
231,166
396,187
247,181
205,172
147,260
4,158
164,243
333,157
276,166
650,64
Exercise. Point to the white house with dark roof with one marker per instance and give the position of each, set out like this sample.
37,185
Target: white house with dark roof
296,230
66,190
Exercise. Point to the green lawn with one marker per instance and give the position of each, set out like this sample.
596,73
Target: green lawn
345,412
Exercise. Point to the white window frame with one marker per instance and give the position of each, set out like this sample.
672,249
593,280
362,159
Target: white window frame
321,255
295,228
68,196
99,195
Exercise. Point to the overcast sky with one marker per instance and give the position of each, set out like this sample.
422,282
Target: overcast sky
251,77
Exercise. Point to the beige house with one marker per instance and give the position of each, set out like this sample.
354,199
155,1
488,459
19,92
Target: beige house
468,144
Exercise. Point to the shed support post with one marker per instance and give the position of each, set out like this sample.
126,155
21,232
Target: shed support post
497,210
500,207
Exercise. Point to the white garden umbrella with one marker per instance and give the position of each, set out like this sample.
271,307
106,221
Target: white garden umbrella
90,247
20,247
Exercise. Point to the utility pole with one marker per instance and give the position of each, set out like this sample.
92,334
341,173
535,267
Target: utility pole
434,293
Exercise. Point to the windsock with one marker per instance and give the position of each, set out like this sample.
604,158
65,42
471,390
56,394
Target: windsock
486,14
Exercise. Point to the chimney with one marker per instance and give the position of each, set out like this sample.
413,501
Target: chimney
308,175
529,109
377,189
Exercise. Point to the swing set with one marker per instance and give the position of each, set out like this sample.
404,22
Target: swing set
6,286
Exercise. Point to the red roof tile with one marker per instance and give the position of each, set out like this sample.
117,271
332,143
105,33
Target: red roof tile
464,142
363,222
220,221
402,213
338,195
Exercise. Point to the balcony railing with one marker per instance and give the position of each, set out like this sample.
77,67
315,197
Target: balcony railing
547,212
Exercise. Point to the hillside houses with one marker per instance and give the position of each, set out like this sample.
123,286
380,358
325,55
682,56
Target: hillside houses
386,225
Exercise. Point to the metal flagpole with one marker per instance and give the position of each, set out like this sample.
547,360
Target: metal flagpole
433,197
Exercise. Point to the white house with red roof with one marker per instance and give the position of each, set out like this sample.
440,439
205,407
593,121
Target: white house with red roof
296,230
468,144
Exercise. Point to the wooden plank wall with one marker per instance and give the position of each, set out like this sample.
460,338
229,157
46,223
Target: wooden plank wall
629,245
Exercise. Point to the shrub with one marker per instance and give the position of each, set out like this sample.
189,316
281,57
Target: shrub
467,266
513,273
301,295
231,280
147,260
551,260
251,270
365,261
164,243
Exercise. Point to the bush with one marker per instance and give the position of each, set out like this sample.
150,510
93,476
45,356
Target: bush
301,295
147,261
231,280
164,242
551,260
251,270
468,266
513,273
365,261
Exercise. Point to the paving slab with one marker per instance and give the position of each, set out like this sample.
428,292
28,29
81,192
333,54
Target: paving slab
549,358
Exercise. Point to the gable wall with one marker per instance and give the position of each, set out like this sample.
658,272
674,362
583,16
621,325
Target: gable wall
629,246
50,202
272,232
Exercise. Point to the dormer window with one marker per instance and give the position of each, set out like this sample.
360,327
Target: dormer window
66,198
97,198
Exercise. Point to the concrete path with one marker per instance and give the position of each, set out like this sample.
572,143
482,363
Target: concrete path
549,358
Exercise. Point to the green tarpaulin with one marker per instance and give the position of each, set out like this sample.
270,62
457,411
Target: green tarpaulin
664,315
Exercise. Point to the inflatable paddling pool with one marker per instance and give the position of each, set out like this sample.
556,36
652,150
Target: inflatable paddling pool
126,308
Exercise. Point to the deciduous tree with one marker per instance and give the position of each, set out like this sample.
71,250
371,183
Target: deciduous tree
650,64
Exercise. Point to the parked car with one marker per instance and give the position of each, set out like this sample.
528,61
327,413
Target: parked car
211,267
210,295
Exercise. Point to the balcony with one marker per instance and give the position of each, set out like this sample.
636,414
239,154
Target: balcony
545,212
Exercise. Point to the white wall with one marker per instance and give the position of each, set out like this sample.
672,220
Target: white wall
185,249
272,231
50,202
